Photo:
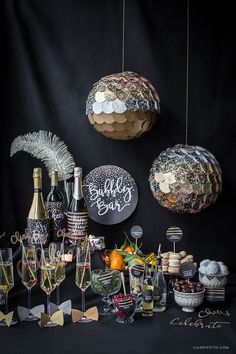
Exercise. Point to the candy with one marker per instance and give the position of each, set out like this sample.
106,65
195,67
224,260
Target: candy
125,305
186,286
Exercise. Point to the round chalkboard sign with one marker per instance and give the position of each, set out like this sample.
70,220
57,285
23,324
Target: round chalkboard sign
111,194
174,234
187,270
136,231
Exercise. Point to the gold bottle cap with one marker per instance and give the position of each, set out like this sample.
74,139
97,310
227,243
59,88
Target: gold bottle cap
77,171
37,172
37,176
54,178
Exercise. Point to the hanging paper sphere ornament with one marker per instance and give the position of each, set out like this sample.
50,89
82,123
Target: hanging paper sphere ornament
185,178
123,105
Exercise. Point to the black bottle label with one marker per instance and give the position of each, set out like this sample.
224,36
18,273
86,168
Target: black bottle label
56,215
38,231
77,224
148,296
137,271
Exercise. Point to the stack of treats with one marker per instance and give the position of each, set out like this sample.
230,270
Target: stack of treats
171,261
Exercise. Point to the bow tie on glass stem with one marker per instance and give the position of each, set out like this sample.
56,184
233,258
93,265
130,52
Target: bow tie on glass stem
91,313
65,307
36,311
57,318
7,318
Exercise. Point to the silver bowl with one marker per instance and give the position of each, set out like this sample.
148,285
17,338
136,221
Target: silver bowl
188,301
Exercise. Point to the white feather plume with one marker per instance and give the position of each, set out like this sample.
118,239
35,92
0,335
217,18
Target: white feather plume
48,148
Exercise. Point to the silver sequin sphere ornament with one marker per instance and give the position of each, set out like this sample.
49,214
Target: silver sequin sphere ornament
185,179
123,105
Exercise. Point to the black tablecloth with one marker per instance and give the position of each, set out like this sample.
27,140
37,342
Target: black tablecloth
145,335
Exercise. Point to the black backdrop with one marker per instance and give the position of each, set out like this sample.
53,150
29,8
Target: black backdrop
52,53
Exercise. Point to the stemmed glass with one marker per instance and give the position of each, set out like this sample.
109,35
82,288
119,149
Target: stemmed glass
106,282
83,273
48,280
57,258
6,278
29,274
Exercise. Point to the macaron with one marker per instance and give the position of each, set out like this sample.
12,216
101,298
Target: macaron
184,260
165,255
165,268
174,256
164,262
174,263
173,269
187,259
190,257
183,254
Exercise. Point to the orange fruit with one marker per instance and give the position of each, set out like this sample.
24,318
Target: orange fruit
136,261
113,254
116,260
129,249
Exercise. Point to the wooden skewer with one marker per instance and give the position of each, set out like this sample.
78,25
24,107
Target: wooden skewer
123,282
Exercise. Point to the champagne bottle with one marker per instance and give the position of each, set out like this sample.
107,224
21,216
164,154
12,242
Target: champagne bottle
147,294
38,221
55,207
77,215
160,288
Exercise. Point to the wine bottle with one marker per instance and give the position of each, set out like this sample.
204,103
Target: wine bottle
38,220
160,288
55,207
147,294
77,215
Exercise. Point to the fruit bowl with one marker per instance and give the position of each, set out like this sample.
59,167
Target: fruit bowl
188,301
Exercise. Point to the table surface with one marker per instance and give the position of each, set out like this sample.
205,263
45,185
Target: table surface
172,331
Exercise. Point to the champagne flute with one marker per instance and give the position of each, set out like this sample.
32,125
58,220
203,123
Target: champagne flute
57,257
6,278
29,275
83,273
48,280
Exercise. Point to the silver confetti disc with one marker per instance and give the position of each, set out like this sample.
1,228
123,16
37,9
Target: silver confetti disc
185,178
123,105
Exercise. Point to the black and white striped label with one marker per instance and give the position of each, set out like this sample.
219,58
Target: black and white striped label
126,305
77,224
137,271
174,234
105,280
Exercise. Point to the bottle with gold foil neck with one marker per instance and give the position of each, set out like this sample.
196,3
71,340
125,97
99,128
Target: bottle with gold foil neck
55,207
77,215
38,220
